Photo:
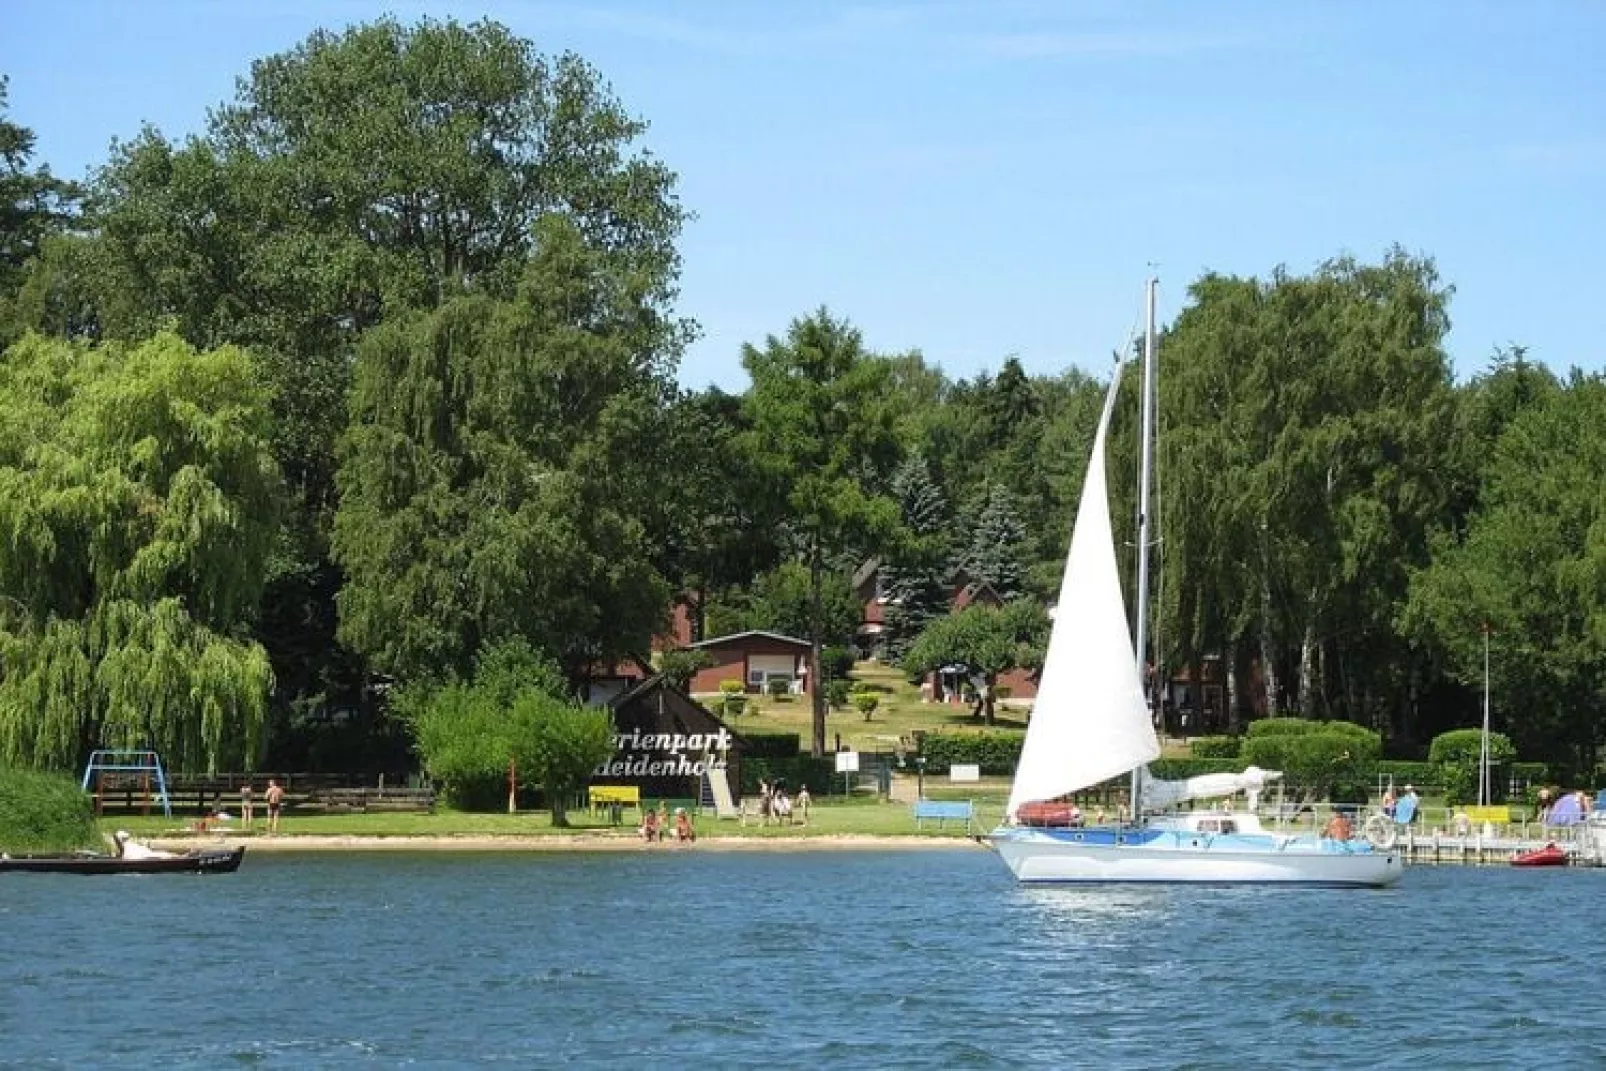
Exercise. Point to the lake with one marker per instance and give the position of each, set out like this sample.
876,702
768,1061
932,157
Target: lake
899,958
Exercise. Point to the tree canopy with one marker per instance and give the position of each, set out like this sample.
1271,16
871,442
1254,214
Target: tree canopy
138,505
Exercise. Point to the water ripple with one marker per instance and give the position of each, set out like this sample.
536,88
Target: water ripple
897,960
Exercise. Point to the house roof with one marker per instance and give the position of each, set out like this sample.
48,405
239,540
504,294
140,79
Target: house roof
721,640
657,683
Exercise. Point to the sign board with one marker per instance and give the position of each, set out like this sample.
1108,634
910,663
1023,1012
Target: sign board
847,762
959,772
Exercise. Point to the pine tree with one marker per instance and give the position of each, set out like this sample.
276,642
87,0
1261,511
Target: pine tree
913,578
996,550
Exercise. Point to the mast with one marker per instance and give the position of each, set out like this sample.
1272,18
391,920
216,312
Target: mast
1145,478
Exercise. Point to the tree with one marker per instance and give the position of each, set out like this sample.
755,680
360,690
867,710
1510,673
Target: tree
34,205
513,714
680,665
824,436
993,552
363,174
138,502
914,579
1532,568
495,455
983,641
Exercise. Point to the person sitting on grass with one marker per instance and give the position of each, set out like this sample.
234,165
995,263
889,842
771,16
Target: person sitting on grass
649,826
684,832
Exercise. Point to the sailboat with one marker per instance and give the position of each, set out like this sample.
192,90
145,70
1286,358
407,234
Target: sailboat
1090,723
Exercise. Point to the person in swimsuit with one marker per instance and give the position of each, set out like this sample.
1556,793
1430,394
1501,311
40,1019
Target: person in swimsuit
275,798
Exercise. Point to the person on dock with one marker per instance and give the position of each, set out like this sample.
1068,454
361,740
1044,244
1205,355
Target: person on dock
275,800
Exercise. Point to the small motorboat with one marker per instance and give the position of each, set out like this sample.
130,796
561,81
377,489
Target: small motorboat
1551,854
204,861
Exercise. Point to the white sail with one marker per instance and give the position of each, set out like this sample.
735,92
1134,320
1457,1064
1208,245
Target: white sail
1090,721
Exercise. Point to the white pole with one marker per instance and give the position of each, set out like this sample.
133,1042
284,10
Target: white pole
1145,468
1483,752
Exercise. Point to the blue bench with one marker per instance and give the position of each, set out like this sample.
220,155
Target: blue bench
942,810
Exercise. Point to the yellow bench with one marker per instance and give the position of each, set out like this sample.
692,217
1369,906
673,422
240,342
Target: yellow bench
1498,815
614,797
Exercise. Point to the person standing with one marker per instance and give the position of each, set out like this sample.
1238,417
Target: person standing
802,803
247,805
275,801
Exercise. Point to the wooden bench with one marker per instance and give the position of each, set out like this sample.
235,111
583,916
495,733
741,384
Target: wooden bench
942,811
613,799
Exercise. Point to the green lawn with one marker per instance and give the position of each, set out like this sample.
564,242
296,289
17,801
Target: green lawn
861,817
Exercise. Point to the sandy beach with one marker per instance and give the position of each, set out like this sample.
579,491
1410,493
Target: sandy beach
558,843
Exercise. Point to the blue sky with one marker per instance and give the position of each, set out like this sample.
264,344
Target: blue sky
980,180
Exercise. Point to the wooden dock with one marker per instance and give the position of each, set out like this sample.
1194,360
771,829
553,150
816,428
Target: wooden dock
1581,843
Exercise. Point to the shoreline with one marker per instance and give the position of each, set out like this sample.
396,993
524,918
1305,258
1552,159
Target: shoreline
292,843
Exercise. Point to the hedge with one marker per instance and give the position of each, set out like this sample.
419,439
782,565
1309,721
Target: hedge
772,745
796,770
44,812
997,753
1216,747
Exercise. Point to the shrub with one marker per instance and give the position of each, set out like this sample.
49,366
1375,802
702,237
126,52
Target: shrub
44,812
778,688
836,663
995,752
1282,727
818,774
772,745
1216,747
732,705
1182,769
1317,756
1456,755
730,687
836,693
866,702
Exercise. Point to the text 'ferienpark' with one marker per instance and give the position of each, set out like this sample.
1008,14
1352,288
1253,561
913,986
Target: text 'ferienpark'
640,754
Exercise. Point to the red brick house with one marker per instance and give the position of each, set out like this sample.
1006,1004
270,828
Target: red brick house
755,658
964,591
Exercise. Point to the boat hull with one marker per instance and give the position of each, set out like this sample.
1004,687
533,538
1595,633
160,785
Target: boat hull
212,861
1159,857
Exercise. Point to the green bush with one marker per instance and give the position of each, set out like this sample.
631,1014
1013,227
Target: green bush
1216,747
836,663
997,753
772,745
730,687
836,693
865,703
1182,769
1456,755
797,770
44,812
732,705
681,664
1405,773
1282,727
1318,756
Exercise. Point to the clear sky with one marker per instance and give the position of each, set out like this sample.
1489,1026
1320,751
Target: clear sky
975,180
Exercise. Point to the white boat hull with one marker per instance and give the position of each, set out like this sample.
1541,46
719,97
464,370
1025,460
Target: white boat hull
1170,858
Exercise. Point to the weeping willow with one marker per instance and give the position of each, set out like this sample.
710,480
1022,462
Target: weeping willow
138,502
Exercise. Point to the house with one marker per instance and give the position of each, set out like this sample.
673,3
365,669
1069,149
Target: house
666,743
964,590
755,658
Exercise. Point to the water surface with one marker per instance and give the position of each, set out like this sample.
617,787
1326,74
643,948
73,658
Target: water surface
929,959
